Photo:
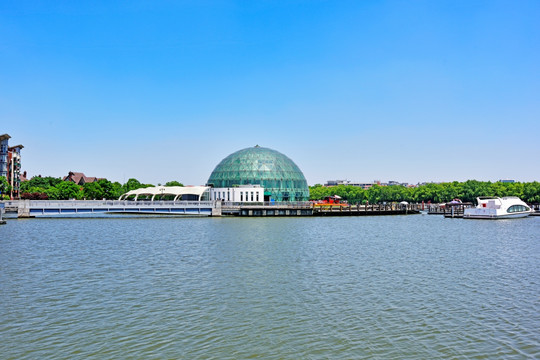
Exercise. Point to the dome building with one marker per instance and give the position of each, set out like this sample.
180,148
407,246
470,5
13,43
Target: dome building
281,179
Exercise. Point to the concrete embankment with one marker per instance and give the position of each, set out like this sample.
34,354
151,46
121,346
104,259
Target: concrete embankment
2,208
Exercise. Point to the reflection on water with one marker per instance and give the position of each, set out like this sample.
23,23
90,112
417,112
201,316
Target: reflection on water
280,288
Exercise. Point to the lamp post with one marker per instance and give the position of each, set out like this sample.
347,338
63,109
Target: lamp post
162,190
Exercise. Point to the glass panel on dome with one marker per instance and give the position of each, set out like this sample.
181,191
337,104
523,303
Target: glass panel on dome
275,172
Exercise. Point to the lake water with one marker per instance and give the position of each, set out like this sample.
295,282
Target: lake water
403,287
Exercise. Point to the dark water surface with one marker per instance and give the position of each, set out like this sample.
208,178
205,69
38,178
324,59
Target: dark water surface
409,287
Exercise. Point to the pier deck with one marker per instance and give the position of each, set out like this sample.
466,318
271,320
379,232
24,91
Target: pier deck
300,208
367,210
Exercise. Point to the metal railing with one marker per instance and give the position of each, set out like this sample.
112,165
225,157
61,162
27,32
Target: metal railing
104,203
268,204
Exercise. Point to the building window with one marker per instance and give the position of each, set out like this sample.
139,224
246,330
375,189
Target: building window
257,196
241,196
252,196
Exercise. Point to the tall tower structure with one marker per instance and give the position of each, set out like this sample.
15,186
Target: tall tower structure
4,154
14,169
10,164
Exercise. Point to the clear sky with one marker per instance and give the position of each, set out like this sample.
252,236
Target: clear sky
163,90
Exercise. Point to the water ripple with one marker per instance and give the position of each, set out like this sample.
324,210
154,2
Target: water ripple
388,287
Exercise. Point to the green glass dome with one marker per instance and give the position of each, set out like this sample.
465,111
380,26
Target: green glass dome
281,178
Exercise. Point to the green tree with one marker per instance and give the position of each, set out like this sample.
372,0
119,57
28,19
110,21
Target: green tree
515,189
467,191
5,188
355,195
174,183
374,194
68,190
111,191
133,184
394,193
318,192
497,189
35,189
52,193
117,190
531,192
93,190
40,182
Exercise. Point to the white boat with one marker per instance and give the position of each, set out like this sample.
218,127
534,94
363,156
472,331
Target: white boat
498,208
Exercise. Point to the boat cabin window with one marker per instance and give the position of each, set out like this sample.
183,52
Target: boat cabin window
517,208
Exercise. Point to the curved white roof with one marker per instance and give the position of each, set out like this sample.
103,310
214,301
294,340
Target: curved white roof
177,191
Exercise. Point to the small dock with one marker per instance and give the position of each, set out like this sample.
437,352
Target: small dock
307,208
367,210
301,208
449,210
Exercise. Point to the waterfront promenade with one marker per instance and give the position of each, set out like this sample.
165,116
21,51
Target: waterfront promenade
100,208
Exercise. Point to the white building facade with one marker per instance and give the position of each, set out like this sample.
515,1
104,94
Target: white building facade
241,193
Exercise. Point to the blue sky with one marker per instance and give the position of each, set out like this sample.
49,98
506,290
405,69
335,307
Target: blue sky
361,90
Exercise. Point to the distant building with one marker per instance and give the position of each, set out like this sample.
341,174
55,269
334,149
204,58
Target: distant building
424,183
239,194
14,169
10,164
337,182
279,177
4,154
507,181
363,185
79,178
391,183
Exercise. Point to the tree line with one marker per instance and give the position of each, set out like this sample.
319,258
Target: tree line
5,188
51,188
43,188
466,191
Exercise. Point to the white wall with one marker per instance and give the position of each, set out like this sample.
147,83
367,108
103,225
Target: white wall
238,194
